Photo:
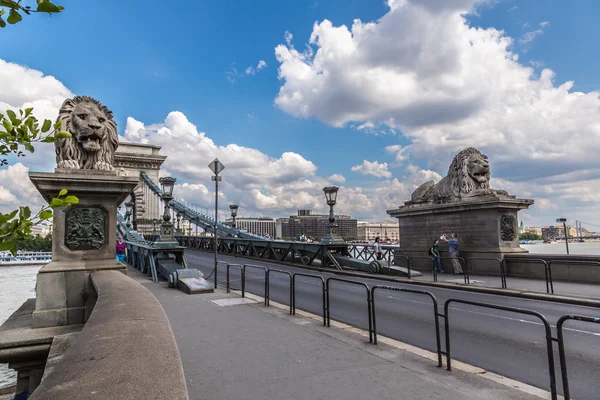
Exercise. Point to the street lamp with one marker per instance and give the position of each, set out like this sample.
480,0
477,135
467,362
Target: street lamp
234,210
178,226
128,213
564,222
166,238
216,167
332,236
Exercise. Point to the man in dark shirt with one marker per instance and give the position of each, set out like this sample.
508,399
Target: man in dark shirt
121,249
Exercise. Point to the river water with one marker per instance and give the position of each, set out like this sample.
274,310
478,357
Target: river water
17,284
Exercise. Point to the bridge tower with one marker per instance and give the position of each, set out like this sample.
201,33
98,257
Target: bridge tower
130,160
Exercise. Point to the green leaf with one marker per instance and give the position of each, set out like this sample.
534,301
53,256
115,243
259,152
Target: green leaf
2,23
48,139
57,125
63,135
13,117
29,147
47,125
71,200
56,203
6,245
8,217
28,111
46,214
7,125
13,17
63,192
25,212
46,6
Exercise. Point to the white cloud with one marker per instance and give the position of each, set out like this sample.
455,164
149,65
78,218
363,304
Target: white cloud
374,168
513,8
445,85
16,189
251,70
529,37
337,178
400,152
544,24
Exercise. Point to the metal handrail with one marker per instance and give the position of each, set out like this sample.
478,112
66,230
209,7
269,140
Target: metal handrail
279,271
502,274
435,314
369,300
322,288
549,338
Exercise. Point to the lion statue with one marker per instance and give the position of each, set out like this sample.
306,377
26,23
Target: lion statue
95,138
468,175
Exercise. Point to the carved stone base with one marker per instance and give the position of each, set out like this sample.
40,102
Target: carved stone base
487,226
83,240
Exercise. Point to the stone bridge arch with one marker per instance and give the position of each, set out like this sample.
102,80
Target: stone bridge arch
130,160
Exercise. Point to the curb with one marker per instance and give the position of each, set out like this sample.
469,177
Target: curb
461,366
573,300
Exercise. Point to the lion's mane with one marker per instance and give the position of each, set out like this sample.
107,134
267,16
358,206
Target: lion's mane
458,174
70,149
457,184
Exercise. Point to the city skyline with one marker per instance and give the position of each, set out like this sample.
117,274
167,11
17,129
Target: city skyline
513,79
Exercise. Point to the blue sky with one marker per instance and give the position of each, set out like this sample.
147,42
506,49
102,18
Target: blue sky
146,60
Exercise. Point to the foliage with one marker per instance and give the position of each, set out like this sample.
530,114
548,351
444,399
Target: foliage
529,236
36,243
16,9
18,134
16,225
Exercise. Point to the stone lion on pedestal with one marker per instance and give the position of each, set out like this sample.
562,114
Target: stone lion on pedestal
468,175
95,138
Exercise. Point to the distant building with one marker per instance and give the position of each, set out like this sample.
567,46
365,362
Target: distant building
259,226
368,231
314,225
533,229
558,231
42,230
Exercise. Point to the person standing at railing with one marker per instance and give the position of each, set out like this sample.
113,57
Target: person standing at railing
377,249
453,250
121,249
434,252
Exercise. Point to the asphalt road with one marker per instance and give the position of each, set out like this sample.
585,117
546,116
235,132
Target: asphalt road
509,344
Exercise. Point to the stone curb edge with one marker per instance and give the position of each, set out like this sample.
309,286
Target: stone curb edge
513,384
578,301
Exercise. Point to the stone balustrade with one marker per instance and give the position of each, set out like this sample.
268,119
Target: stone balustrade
126,350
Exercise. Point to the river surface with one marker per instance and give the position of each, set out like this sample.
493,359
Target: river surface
17,284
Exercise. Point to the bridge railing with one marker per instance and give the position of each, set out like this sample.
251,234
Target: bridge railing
445,316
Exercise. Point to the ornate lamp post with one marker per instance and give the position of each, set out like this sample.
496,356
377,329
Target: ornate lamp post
332,236
166,238
178,226
234,210
216,167
154,223
128,213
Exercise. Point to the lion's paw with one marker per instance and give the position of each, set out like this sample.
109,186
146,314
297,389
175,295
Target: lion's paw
104,166
68,164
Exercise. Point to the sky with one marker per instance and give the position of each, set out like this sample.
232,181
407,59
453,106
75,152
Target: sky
373,96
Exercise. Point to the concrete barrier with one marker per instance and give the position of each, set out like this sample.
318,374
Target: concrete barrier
126,349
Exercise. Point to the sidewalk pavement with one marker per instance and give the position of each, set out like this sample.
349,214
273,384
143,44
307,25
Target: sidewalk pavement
253,352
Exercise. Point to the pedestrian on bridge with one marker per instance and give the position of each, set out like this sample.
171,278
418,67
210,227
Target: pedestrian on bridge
121,249
377,249
434,252
453,250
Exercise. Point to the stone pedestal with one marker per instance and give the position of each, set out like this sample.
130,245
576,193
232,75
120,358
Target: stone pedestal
487,226
83,241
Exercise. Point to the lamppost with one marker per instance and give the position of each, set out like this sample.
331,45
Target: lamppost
234,210
128,213
154,223
178,226
166,238
216,167
332,236
564,222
